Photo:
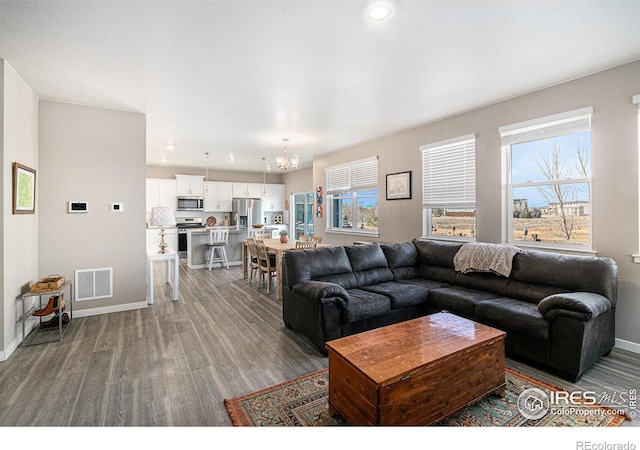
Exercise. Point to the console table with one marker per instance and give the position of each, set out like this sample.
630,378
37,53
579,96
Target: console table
170,256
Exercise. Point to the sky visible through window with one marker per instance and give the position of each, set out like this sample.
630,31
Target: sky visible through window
527,157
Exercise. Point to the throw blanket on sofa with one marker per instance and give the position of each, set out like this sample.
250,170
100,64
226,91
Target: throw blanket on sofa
483,257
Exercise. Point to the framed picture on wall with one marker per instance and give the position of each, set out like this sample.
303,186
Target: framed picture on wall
24,189
399,186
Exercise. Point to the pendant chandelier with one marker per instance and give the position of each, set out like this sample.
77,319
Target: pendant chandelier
284,163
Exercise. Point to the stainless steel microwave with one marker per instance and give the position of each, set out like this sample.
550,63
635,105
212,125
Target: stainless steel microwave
190,204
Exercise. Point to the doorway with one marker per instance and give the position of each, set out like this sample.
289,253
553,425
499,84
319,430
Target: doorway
303,214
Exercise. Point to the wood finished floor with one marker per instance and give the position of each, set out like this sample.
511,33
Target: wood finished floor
173,363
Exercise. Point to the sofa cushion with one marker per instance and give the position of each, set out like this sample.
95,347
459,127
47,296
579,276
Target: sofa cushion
364,304
369,264
458,300
530,292
569,272
401,294
402,259
428,284
511,314
329,264
436,253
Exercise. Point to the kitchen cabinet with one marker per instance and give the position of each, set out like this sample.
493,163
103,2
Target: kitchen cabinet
219,198
274,200
161,192
247,190
189,185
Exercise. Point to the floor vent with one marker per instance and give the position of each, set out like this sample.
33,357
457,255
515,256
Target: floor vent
91,284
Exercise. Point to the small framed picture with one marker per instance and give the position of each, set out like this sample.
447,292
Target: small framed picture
24,189
399,186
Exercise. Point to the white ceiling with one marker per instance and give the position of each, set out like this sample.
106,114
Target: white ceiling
238,76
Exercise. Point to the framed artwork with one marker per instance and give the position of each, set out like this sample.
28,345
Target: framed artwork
399,186
24,189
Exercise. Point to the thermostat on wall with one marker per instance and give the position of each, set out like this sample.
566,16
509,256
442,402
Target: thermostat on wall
116,207
78,207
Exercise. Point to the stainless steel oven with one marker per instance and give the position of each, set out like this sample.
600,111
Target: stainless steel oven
184,224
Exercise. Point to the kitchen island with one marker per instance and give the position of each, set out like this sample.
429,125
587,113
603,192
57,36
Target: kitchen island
198,250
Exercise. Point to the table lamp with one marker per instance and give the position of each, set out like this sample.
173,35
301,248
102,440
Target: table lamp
162,216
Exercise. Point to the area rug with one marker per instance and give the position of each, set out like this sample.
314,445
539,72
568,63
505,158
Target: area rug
303,402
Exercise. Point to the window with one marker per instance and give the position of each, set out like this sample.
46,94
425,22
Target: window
352,197
449,188
548,164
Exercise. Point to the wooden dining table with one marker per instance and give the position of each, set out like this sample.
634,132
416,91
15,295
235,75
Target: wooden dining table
272,246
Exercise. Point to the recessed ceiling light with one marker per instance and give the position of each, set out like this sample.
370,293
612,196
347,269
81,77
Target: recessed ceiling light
379,11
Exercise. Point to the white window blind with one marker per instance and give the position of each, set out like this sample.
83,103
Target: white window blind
547,127
358,175
449,173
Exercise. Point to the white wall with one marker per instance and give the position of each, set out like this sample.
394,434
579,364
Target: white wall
99,156
19,247
614,173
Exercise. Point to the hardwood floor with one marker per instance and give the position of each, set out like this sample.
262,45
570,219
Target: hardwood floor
173,363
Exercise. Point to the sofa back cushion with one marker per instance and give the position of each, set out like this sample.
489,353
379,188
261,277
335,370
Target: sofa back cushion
329,264
570,273
369,264
402,259
436,253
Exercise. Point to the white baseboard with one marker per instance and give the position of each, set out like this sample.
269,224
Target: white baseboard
109,309
627,345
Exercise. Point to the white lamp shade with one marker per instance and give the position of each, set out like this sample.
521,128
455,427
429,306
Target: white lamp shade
162,216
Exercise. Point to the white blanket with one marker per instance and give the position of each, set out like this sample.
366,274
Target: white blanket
483,257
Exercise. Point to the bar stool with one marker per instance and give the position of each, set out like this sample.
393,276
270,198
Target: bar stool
218,240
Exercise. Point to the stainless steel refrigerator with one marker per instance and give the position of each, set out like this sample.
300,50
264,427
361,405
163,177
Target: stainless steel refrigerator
245,212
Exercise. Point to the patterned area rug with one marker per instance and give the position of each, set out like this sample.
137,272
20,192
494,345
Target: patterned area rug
303,403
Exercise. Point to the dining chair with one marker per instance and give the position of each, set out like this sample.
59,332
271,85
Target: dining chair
303,238
262,236
254,262
267,263
218,240
306,244
318,239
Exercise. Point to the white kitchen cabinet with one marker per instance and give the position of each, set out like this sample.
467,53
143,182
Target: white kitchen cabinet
247,190
170,237
189,185
274,200
219,198
161,192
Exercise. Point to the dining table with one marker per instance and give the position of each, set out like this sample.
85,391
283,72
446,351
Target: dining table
278,248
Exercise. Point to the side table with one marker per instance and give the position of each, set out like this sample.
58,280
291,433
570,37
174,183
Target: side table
41,335
170,256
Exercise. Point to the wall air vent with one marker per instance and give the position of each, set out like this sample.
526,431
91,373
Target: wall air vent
91,284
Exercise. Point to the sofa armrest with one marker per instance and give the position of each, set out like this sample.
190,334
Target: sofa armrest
322,292
579,305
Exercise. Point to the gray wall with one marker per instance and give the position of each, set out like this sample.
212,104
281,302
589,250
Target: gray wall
614,167
19,246
99,156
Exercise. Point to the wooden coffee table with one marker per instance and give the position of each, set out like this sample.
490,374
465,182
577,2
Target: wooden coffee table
415,372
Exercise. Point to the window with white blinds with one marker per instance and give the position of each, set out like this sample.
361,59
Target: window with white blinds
354,176
547,127
449,173
352,197
548,181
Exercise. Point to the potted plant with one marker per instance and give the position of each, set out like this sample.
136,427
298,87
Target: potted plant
284,236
